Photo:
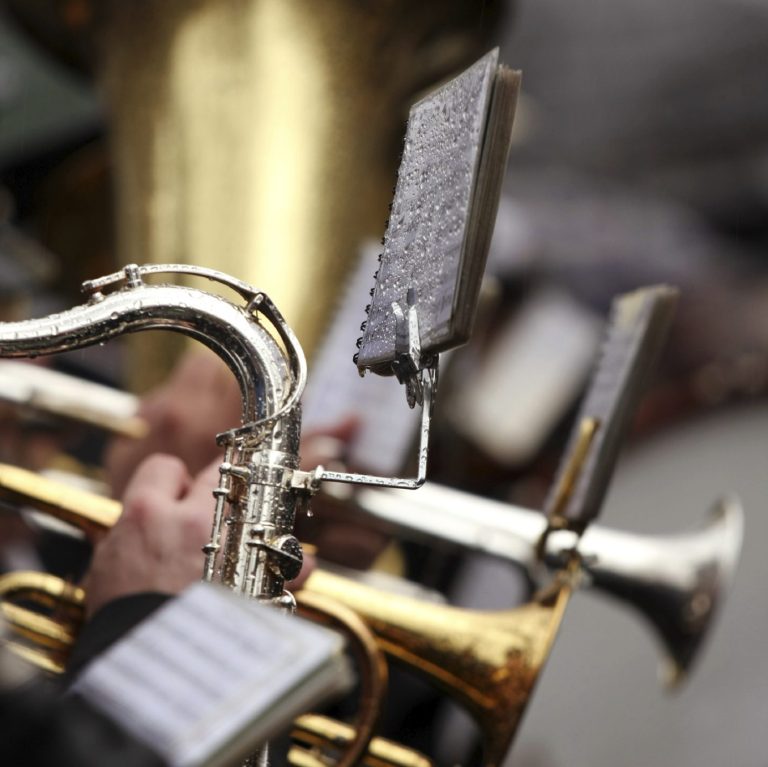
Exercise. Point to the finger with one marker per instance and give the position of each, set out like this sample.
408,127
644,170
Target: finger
163,475
123,456
205,481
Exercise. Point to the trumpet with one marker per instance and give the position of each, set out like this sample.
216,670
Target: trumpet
488,661
677,582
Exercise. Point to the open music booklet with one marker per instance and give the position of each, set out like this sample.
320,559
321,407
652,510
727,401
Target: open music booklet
444,210
211,675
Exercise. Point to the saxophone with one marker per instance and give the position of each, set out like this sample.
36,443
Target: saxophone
252,549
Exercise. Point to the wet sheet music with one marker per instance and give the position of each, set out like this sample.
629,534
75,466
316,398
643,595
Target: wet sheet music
443,211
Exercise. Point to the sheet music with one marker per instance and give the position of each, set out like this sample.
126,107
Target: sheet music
530,376
209,675
336,391
636,332
425,239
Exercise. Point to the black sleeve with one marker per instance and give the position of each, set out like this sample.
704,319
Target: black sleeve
109,624
38,728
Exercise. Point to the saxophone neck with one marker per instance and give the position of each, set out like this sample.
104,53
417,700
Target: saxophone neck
270,376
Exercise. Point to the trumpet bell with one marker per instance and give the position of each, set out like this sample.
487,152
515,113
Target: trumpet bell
487,661
678,582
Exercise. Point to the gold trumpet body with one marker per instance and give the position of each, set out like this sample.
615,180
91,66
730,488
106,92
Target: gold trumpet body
488,661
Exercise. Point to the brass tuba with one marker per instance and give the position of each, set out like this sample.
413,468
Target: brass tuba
258,136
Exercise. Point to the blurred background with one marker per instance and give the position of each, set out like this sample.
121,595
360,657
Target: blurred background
261,137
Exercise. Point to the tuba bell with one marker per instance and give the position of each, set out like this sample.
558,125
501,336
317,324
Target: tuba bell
258,136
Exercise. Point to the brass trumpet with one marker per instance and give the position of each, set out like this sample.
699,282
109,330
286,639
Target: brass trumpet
488,661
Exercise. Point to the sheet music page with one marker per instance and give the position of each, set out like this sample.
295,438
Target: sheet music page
638,327
425,238
335,390
211,670
529,377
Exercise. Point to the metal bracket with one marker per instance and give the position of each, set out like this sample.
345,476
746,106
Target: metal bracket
409,363
427,380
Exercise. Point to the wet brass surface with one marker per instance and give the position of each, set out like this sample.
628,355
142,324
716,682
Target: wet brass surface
262,136
37,658
488,661
46,637
37,628
372,669
319,732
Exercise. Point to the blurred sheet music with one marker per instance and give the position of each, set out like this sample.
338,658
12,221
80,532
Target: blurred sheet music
210,676
335,390
529,377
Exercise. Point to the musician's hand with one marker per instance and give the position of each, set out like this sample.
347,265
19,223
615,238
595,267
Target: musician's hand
200,399
156,544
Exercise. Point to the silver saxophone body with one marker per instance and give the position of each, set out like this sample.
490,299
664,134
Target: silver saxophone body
252,549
